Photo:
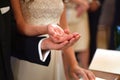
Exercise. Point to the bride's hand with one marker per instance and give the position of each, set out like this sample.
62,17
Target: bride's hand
78,72
57,34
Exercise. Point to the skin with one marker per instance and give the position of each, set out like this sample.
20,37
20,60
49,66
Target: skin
94,5
64,43
82,56
70,60
81,6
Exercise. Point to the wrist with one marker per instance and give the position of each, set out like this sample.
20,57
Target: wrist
41,29
73,66
73,63
44,28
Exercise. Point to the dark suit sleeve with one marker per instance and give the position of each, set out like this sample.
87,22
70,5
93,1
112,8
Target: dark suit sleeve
26,48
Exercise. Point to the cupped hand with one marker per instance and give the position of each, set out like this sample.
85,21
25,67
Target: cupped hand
57,34
49,44
73,40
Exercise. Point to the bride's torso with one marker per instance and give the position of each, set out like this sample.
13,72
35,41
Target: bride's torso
42,12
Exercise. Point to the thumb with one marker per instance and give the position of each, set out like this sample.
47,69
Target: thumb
67,31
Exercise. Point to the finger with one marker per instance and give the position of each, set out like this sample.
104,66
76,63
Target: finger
55,30
60,46
90,75
58,39
59,32
74,40
65,37
58,29
84,76
51,30
67,31
55,38
75,34
75,76
71,42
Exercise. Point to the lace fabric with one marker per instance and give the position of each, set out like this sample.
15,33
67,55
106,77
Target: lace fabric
42,12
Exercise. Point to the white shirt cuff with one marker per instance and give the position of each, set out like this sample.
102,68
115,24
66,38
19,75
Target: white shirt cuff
40,52
4,9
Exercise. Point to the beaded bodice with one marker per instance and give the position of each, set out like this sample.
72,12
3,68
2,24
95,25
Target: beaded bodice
42,12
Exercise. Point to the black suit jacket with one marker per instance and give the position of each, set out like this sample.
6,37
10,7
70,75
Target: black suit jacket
7,36
5,43
26,48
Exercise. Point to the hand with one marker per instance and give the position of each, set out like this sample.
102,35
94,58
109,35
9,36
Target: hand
72,41
78,72
94,5
49,44
57,34
55,30
81,6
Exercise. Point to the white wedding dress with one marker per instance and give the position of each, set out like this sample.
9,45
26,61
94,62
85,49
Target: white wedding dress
40,12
